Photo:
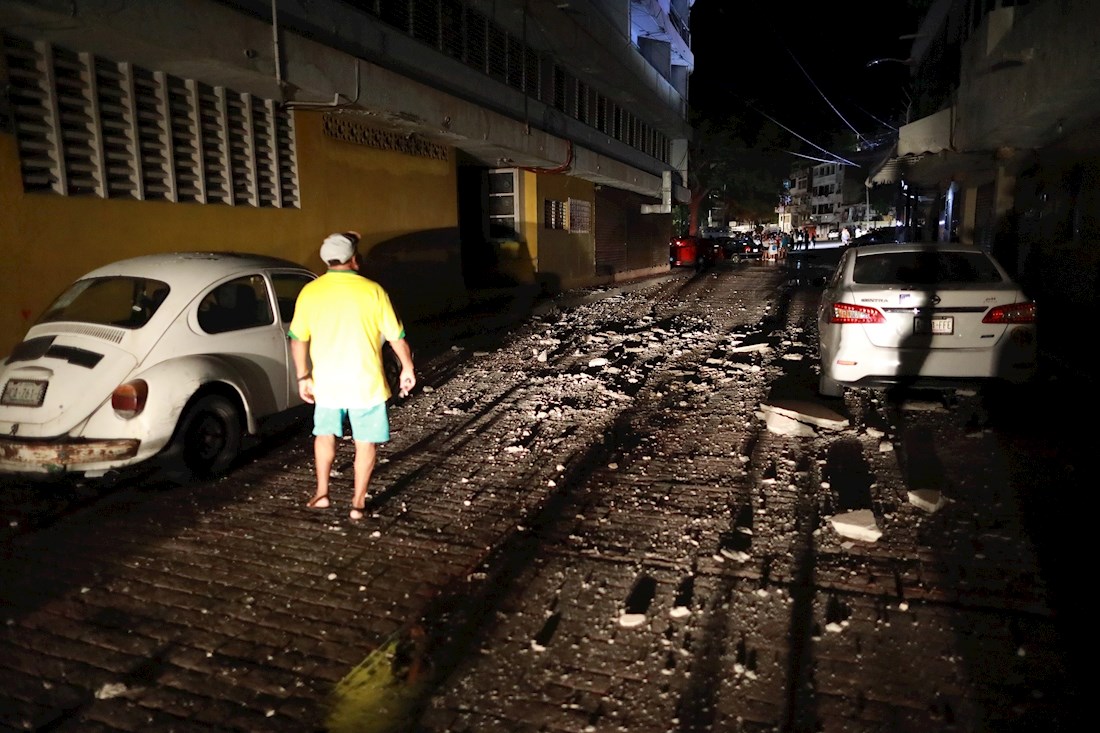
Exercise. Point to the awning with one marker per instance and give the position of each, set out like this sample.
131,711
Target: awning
932,168
892,168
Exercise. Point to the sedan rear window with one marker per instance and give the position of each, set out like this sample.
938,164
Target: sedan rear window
925,268
128,302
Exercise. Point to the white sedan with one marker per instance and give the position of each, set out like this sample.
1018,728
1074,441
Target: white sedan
176,357
923,315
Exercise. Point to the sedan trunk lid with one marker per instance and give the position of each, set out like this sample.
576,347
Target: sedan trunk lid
943,318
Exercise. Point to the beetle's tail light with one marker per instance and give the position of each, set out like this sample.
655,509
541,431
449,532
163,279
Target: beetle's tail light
851,313
128,400
1008,314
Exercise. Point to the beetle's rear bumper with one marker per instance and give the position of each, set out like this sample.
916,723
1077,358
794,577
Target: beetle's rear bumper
65,456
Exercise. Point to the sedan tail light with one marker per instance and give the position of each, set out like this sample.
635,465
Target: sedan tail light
1007,314
851,313
128,400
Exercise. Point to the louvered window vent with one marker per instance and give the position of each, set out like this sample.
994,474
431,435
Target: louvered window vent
89,126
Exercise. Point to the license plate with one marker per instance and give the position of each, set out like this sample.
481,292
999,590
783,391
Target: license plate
941,326
24,392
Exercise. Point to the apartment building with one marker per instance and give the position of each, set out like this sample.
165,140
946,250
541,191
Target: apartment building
471,142
793,211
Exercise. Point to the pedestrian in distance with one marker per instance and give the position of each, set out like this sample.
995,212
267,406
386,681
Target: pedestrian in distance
341,322
845,236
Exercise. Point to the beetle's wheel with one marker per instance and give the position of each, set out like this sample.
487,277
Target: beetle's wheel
208,438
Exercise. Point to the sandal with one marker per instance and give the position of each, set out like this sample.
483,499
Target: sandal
357,512
319,502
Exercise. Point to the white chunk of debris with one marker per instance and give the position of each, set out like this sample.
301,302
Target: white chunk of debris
857,525
109,690
599,361
784,425
923,406
748,348
811,413
930,500
630,620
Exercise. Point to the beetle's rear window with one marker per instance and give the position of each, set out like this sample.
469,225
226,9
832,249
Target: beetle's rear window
925,268
128,302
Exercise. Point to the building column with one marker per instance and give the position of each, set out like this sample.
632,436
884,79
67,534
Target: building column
968,214
1005,244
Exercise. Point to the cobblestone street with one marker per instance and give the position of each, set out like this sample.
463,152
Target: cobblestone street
584,526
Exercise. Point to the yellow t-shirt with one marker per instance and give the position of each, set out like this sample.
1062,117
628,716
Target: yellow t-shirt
346,318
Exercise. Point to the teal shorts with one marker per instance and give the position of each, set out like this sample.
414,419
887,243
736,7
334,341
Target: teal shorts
371,424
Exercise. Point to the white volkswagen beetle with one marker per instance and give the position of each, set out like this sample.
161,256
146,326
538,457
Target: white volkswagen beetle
176,357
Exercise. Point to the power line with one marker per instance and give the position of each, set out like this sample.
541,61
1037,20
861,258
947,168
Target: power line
835,158
827,100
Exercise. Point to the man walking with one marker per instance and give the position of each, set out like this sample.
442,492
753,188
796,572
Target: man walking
340,322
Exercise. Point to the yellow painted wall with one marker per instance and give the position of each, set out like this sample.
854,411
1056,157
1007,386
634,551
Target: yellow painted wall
404,206
563,260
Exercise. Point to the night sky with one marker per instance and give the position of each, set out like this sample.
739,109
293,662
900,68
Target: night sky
795,63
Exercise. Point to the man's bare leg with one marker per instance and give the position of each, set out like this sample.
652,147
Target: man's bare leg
365,455
324,453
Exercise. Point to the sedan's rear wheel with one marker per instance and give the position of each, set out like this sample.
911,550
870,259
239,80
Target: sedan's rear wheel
208,439
827,387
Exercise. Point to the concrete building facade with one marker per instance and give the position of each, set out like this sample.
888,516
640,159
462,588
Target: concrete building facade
472,143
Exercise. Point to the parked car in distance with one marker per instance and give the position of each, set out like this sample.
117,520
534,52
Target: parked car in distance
693,251
683,251
923,315
746,247
167,358
882,235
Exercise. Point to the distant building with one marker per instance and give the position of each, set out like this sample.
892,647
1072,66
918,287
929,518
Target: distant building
794,214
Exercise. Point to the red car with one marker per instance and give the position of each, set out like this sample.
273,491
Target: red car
683,252
694,251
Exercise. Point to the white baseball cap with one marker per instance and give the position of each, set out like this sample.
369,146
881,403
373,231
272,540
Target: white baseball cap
339,248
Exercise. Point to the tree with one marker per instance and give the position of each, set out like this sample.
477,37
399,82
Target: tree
734,166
